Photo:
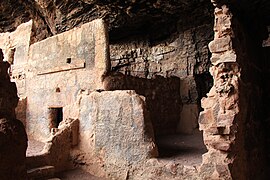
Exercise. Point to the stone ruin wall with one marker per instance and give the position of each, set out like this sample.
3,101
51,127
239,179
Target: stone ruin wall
231,115
65,71
15,46
117,133
174,63
42,73
226,120
60,69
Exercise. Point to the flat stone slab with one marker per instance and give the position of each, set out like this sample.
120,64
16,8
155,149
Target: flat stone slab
34,147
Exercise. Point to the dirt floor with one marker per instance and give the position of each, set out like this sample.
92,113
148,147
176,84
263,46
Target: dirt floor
35,148
182,149
77,174
177,148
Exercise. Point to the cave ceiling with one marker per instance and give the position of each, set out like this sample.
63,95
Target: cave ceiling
154,18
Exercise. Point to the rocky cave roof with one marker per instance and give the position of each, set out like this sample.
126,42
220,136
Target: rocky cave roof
153,18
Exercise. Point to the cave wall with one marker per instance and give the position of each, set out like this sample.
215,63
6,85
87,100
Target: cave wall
172,74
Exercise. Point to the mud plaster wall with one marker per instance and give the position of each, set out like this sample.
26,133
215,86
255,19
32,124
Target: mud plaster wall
115,134
172,74
59,69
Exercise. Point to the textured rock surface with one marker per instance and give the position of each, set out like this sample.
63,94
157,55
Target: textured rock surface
170,46
166,72
228,114
13,139
124,18
116,129
222,103
155,45
162,98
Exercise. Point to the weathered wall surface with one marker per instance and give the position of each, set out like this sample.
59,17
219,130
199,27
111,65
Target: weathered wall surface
179,58
115,132
162,98
182,55
168,73
231,118
15,46
56,151
60,68
15,41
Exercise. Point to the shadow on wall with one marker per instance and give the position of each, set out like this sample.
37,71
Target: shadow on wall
162,98
204,82
266,105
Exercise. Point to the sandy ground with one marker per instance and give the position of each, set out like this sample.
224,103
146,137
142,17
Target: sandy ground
77,174
182,149
177,148
35,147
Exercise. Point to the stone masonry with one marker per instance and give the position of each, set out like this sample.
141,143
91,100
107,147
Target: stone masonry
59,69
225,109
222,103
104,104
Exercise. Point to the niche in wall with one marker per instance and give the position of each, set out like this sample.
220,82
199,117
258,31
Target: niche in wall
55,116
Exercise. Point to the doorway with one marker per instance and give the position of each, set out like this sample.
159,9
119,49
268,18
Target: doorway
55,116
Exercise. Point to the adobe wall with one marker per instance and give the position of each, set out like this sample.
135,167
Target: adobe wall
59,69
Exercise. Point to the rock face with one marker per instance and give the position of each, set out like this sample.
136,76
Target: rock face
124,18
115,133
172,72
124,133
13,138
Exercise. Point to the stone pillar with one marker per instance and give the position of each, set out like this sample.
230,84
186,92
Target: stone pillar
220,118
13,138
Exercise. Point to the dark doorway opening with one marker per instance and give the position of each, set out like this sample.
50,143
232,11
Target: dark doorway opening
55,116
